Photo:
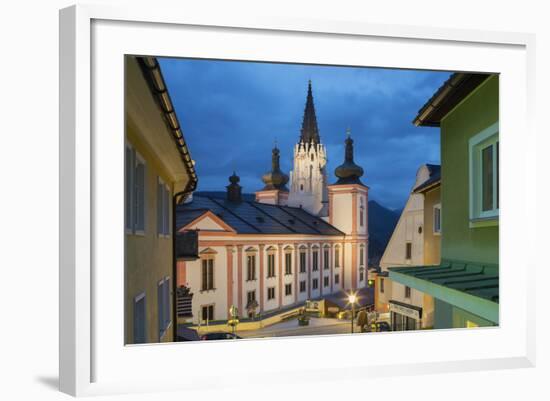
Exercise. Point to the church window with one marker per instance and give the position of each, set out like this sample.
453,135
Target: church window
271,265
207,282
288,263
301,187
251,267
302,262
337,256
325,258
312,157
315,261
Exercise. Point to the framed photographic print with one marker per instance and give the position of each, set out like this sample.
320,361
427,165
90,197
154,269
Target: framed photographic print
280,193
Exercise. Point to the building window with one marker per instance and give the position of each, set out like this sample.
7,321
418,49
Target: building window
207,313
207,274
382,285
163,208
484,174
337,256
325,281
270,265
437,219
315,283
163,303
408,250
135,192
140,327
315,261
288,289
362,256
288,263
302,286
250,267
361,213
325,258
336,279
250,297
407,292
361,274
270,293
302,262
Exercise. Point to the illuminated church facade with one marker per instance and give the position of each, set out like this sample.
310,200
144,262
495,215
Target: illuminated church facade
300,239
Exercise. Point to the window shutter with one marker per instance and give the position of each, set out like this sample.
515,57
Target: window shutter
140,196
167,201
167,315
160,205
160,301
129,185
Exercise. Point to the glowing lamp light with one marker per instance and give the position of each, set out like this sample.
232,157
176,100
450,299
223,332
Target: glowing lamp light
352,298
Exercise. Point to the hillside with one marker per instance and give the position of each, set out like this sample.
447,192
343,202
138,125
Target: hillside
382,221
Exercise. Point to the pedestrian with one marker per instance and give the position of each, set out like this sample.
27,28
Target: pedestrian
362,320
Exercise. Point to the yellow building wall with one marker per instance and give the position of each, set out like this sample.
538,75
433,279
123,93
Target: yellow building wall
148,256
432,241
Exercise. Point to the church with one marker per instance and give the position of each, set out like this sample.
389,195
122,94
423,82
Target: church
301,239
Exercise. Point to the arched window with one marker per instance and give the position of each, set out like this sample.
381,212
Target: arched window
362,213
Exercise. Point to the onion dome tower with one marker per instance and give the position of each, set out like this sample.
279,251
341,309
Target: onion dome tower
349,172
348,211
275,179
234,190
275,191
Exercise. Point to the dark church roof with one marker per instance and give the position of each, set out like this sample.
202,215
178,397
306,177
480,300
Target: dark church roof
248,217
310,131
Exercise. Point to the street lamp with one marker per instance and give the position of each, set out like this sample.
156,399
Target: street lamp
234,314
352,299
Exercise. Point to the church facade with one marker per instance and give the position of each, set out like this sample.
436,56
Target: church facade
301,239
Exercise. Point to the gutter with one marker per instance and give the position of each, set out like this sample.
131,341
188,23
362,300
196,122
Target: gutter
153,75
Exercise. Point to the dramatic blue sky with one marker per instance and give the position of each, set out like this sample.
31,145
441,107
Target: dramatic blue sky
231,113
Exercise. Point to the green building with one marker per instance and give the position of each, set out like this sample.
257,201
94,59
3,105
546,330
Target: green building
465,285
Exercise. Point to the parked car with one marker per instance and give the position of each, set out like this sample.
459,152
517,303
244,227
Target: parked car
187,334
219,335
380,326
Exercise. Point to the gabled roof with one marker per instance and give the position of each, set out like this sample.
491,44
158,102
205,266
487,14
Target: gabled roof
433,181
249,217
452,92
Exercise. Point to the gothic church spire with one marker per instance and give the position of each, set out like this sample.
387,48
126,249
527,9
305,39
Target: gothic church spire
309,132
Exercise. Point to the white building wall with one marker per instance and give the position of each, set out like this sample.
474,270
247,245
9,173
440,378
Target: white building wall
341,208
217,296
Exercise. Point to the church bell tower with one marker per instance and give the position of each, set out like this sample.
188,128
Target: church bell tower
308,179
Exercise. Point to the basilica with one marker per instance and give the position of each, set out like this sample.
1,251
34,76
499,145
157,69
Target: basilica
302,238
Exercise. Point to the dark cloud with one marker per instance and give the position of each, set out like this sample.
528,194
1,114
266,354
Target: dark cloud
232,112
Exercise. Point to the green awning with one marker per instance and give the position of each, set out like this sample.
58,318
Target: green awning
473,287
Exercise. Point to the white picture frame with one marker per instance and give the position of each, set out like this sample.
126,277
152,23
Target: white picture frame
92,363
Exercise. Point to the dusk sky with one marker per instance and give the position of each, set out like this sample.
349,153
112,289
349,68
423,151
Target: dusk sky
232,112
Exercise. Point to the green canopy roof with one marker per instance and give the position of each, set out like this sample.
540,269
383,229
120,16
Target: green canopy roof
473,287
